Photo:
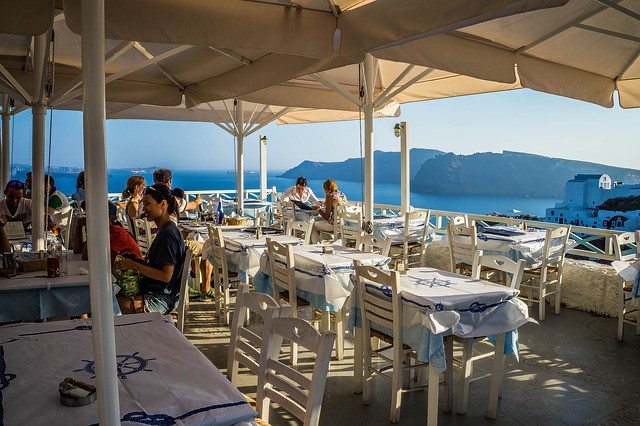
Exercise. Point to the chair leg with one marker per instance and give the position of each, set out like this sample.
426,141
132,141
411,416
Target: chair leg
396,384
358,355
543,296
225,318
497,376
339,320
637,317
558,294
366,382
465,374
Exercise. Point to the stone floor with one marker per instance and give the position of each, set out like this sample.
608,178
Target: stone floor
572,371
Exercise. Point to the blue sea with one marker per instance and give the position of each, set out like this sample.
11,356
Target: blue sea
385,193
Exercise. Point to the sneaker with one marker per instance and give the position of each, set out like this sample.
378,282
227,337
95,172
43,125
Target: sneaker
193,293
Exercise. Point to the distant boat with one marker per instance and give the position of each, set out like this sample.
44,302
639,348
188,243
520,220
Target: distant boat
246,172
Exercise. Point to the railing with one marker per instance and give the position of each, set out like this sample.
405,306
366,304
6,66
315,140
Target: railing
592,243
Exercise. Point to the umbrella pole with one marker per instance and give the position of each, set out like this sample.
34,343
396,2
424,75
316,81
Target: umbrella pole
369,78
94,117
240,158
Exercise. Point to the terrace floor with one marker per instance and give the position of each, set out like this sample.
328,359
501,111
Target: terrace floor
572,371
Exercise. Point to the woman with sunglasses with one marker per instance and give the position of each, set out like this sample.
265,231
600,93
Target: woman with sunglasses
165,258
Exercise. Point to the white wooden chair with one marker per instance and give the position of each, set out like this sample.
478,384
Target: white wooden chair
288,214
121,216
463,243
65,226
300,229
263,218
221,283
143,234
183,299
627,305
385,312
415,243
277,214
280,383
350,227
374,244
464,366
331,236
245,344
283,280
549,273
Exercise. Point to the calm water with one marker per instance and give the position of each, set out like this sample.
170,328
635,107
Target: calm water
195,180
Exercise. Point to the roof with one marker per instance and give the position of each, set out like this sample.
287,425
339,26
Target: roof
585,177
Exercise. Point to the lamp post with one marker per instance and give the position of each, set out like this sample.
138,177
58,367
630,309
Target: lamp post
263,167
401,130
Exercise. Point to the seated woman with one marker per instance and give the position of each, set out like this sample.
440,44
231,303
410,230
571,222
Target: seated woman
79,195
133,191
165,259
332,196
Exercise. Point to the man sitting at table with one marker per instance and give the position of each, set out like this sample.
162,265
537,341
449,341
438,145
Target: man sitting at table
301,192
165,177
14,207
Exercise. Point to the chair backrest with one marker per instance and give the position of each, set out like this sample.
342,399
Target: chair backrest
143,234
283,269
350,227
263,218
463,242
374,244
501,263
622,245
380,300
245,344
278,218
121,216
288,213
280,383
555,246
65,226
219,255
420,235
183,297
301,229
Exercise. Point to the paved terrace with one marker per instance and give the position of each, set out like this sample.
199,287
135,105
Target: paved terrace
572,371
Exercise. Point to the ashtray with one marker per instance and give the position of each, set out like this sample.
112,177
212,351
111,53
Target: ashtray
74,393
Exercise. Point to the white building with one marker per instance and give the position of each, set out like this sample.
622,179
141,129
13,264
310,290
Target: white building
584,193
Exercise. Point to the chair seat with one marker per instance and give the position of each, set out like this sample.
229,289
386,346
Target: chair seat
538,271
284,295
464,267
386,338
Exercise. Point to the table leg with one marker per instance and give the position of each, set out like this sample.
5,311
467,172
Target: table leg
358,346
432,398
496,377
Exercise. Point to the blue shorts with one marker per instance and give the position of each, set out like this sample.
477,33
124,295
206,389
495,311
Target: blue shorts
163,303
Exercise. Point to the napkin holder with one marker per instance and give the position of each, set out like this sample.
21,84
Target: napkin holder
74,393
328,250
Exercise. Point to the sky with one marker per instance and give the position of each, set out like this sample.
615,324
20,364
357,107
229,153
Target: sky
520,120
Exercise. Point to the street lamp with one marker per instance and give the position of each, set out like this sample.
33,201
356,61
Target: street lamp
264,139
263,167
397,130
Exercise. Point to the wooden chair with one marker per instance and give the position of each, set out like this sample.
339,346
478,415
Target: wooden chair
285,386
143,234
263,218
377,308
464,366
282,265
374,244
221,283
415,244
326,236
549,273
463,242
627,305
277,214
245,344
350,228
288,214
300,229
183,299
65,226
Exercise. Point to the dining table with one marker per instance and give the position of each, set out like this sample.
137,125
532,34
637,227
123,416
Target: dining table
322,274
163,379
33,295
438,303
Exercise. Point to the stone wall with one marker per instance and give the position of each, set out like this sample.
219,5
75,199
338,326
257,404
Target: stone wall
587,286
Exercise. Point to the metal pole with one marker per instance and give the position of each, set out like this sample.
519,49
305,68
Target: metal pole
405,168
38,112
368,137
94,123
263,167
6,142
240,159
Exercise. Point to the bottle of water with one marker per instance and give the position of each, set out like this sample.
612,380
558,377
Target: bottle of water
220,213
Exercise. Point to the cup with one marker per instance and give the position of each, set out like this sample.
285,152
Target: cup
53,267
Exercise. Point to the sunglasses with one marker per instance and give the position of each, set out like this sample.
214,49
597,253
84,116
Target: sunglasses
15,184
149,189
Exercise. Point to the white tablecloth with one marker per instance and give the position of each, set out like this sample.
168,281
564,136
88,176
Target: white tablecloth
162,376
437,303
321,278
244,250
393,227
